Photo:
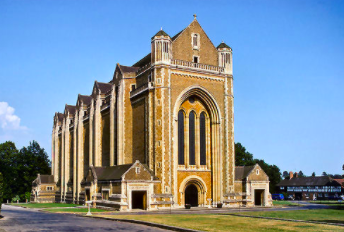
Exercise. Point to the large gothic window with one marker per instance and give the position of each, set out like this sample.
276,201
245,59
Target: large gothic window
202,137
180,137
192,160
193,130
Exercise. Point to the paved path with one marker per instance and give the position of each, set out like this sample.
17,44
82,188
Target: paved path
204,210
19,219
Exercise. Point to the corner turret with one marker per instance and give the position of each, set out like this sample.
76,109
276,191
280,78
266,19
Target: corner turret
225,57
161,48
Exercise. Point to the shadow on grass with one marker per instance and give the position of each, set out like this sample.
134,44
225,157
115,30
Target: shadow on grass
329,221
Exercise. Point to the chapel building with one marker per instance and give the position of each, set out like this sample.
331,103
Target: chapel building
160,133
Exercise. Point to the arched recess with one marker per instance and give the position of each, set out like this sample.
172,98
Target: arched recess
214,115
200,185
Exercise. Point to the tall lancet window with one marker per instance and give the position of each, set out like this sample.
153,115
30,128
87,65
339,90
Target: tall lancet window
180,137
195,40
202,137
192,160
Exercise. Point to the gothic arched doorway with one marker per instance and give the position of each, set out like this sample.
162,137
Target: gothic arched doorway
191,195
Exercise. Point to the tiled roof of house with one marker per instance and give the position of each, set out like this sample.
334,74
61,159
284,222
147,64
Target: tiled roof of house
340,181
309,181
241,172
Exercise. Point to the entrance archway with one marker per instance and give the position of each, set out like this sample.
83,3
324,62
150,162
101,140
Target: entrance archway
191,195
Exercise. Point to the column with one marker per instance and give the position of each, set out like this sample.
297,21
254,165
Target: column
53,152
75,155
56,177
91,133
67,155
62,159
80,151
97,118
112,126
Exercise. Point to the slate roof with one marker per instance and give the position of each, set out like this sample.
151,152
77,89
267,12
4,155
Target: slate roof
71,109
111,173
127,69
43,179
309,181
103,87
223,45
86,99
60,116
160,33
176,35
143,61
115,172
241,172
47,179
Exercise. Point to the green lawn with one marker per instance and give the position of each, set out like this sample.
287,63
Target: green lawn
323,215
284,203
226,223
44,205
74,210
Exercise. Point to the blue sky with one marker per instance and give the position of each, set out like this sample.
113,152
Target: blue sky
287,60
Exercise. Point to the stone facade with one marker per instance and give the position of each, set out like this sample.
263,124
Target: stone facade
43,189
172,112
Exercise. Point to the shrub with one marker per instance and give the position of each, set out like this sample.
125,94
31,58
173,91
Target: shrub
27,196
15,199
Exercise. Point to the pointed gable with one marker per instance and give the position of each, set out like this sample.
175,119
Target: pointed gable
183,48
85,99
70,109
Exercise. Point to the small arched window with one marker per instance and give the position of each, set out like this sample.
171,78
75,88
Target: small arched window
192,160
202,137
180,137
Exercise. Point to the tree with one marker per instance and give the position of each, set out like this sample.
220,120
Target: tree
313,174
20,168
1,190
286,175
242,157
324,174
8,167
33,160
301,174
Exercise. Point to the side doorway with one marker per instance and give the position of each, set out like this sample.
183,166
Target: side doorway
139,200
259,197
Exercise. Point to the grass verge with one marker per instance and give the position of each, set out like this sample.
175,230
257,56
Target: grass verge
44,205
284,203
74,210
218,222
321,215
